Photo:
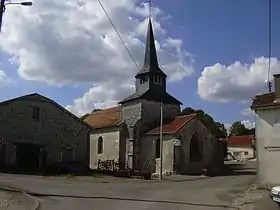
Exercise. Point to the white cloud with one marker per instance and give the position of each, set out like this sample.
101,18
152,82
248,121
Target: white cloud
4,79
247,111
237,81
100,97
72,42
248,124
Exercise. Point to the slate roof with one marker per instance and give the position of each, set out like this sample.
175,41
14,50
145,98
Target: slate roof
175,126
264,100
152,96
150,61
105,118
246,140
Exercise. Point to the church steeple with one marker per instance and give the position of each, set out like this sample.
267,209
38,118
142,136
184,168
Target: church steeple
150,59
150,83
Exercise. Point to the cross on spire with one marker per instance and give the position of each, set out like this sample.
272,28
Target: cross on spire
150,9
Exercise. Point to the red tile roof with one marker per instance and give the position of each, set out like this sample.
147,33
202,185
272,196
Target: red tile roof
240,140
104,118
175,126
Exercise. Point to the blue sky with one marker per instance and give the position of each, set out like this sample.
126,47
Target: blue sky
216,31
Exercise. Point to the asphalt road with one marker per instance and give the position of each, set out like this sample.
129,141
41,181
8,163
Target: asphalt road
208,193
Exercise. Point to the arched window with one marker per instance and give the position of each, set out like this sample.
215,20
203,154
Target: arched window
195,149
100,145
158,148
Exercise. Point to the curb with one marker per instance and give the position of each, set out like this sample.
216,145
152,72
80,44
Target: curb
129,180
36,205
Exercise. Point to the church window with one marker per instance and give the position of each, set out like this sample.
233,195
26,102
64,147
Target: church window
146,78
158,148
157,79
100,145
195,149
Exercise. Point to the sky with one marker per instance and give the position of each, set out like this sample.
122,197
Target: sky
215,53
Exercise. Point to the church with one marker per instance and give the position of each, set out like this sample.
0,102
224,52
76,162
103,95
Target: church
129,134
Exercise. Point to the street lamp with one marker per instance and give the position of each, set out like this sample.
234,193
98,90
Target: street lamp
3,5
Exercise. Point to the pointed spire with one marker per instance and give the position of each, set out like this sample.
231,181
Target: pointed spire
151,60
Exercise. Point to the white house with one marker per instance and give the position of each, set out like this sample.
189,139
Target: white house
267,109
241,147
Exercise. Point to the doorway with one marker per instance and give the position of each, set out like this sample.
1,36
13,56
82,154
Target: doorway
27,157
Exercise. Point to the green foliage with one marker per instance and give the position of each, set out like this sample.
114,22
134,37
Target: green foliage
217,128
87,114
84,116
239,129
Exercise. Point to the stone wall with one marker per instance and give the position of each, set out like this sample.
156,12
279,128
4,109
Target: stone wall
111,146
131,115
268,146
139,116
148,158
211,151
151,111
55,128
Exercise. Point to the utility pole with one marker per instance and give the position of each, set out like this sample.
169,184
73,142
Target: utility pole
2,8
160,140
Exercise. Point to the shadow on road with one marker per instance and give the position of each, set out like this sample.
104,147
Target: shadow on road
133,199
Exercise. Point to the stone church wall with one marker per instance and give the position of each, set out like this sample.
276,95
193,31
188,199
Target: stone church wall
111,146
151,110
148,158
212,156
139,116
211,153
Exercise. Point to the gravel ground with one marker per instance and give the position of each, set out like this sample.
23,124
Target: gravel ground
15,201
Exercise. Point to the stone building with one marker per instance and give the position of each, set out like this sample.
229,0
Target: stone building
128,133
36,131
267,133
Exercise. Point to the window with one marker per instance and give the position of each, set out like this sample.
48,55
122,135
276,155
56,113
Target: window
246,153
100,145
144,79
195,149
158,148
157,79
36,113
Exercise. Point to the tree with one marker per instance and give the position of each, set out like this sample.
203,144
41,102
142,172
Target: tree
87,114
217,128
84,116
239,129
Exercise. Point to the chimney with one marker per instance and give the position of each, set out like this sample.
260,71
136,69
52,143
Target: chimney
277,87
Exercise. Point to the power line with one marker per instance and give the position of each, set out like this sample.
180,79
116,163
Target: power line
269,45
119,35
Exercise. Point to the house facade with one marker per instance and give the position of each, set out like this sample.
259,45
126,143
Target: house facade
128,134
241,147
267,110
36,131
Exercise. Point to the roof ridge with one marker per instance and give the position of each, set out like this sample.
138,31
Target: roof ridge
186,115
187,121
